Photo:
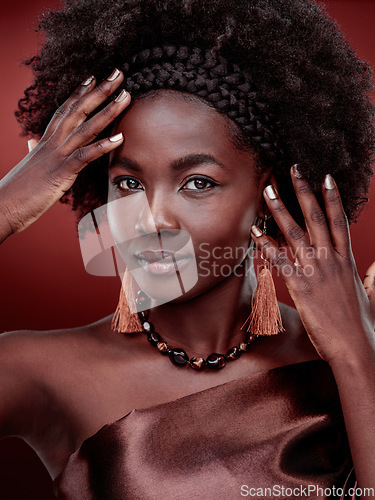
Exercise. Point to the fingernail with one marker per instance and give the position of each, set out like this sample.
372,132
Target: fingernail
257,232
271,192
116,138
121,96
88,81
114,75
328,182
297,174
30,145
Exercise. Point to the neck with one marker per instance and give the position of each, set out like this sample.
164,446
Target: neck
210,322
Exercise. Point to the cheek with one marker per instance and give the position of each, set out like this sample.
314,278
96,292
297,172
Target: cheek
231,223
222,241
122,214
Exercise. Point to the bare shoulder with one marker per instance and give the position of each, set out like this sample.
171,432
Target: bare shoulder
58,386
34,365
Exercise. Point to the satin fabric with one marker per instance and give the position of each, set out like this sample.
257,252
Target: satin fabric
279,429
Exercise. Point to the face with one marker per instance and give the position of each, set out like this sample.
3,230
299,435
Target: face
178,184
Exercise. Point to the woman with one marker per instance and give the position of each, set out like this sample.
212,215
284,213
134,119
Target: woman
223,104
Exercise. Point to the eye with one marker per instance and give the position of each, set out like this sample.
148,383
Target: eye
127,184
199,184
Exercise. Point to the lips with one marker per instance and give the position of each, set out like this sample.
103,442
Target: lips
162,262
157,255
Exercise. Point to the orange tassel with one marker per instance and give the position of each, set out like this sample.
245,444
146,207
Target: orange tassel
265,317
124,321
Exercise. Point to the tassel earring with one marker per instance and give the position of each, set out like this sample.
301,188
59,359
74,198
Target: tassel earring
124,321
265,317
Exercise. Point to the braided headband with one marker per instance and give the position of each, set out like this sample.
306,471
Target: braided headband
210,76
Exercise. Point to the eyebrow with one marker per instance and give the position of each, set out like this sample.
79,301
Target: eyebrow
183,163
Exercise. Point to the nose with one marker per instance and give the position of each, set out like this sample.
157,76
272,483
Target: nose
157,215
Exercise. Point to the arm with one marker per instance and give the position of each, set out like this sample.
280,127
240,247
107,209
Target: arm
355,378
17,388
336,312
5,227
66,147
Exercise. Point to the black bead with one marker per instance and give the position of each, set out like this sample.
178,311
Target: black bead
143,315
216,361
142,299
153,338
178,356
233,353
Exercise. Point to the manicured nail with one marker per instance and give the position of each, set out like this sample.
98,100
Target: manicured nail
31,143
114,75
271,192
121,96
116,138
257,232
88,81
328,182
297,174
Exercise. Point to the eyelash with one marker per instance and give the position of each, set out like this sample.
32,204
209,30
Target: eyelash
117,183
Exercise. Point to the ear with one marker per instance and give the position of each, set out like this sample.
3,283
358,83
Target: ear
264,180
264,213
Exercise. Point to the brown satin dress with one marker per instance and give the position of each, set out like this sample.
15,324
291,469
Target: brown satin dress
281,428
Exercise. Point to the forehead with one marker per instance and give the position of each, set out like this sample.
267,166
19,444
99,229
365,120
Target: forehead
174,120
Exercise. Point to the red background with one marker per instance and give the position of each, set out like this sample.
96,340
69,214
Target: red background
44,284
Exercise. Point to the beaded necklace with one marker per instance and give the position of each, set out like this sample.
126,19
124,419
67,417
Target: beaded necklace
179,357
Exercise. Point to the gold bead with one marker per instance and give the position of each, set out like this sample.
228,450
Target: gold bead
162,346
197,363
243,346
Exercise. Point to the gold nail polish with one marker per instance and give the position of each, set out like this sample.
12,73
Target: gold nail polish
257,232
114,75
297,174
121,96
271,192
328,182
87,81
116,138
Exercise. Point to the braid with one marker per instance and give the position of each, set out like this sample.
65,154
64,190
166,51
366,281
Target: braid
210,76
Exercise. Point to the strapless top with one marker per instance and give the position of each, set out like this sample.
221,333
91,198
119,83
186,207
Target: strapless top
277,434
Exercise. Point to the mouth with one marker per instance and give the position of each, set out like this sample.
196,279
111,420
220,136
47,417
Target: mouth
161,261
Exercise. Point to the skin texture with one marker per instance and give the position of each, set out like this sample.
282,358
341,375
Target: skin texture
298,60
65,148
344,339
220,236
37,392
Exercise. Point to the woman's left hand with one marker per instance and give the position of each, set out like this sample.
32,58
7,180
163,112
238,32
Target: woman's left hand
337,310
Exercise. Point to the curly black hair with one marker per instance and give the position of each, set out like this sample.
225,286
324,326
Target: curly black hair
281,70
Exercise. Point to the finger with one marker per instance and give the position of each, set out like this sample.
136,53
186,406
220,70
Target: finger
79,110
89,130
369,281
31,144
293,233
369,285
85,155
79,92
277,257
316,223
338,223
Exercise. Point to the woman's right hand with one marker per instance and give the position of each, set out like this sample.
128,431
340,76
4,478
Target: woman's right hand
66,147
